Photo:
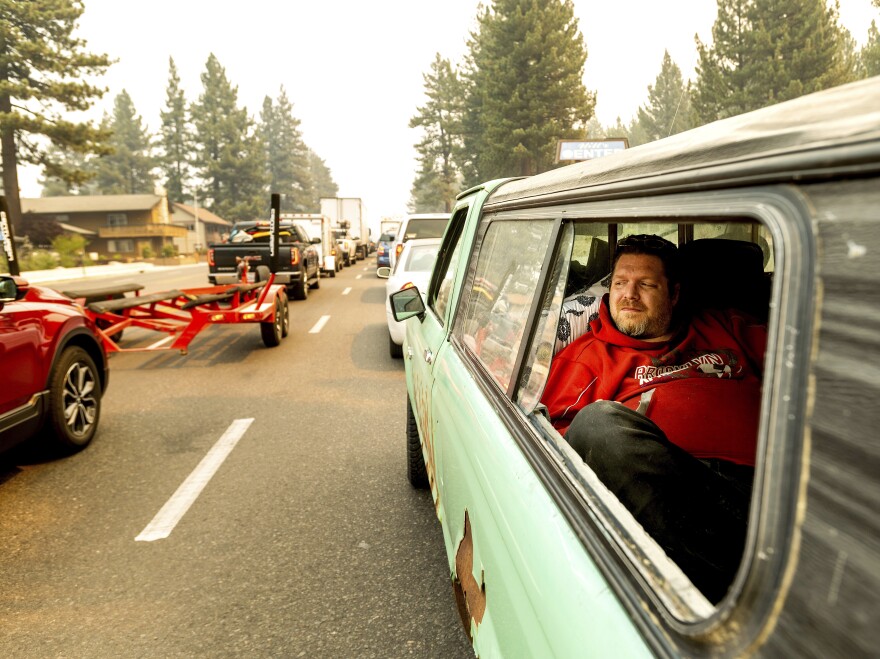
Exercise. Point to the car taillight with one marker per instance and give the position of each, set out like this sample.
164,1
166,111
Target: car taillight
294,256
380,250
332,251
210,257
398,250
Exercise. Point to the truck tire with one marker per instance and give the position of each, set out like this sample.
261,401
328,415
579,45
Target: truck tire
273,330
74,402
317,283
300,289
394,350
416,472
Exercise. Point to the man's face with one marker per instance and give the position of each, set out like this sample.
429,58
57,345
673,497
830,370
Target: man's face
640,300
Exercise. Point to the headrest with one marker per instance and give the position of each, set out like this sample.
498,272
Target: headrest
721,274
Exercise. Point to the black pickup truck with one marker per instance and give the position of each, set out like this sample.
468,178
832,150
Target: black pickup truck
298,260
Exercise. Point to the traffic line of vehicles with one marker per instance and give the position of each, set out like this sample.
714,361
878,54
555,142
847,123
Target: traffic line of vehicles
54,346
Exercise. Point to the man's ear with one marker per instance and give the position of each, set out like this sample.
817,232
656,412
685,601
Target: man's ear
674,297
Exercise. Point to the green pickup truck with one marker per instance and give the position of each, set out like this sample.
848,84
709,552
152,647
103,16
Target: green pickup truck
545,560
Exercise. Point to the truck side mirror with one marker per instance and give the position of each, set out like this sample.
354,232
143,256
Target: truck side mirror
407,303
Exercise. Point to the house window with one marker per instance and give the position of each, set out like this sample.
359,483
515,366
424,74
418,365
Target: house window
62,218
120,246
117,219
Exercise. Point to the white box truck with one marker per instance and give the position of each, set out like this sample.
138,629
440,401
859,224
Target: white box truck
319,226
348,213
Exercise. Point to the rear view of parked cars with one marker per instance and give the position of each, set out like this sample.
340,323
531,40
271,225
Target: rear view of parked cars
383,249
53,368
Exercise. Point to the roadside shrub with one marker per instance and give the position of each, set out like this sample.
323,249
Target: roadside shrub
169,250
71,250
147,252
39,259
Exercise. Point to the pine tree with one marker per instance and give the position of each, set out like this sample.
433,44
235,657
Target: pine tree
720,88
524,88
797,48
668,109
767,51
128,169
229,155
869,56
439,180
287,156
54,186
175,138
323,184
44,69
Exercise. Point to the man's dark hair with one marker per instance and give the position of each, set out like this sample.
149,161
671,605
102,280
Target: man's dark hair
651,245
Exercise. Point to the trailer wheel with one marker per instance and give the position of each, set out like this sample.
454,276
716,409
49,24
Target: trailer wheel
273,330
285,324
416,472
74,403
262,273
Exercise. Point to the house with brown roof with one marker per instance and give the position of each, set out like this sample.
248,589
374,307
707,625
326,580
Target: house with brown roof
202,227
116,226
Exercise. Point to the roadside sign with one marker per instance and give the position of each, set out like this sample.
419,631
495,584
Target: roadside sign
570,150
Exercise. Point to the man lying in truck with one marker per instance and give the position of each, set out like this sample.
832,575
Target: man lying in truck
664,407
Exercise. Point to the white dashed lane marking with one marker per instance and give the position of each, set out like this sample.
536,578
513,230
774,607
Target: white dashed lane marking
319,325
175,508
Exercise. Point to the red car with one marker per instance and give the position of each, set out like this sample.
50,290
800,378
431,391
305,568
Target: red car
53,368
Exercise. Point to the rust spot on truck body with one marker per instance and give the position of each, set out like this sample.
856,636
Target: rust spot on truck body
469,594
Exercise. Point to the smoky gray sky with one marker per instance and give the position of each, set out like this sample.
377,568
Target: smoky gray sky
353,69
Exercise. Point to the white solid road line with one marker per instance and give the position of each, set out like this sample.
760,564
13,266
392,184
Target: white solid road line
346,291
175,508
319,325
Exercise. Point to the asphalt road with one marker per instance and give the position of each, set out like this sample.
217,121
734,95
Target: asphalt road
307,541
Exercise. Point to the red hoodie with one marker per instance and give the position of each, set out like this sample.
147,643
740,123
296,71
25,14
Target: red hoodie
706,380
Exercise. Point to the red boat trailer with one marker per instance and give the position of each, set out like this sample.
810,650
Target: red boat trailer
182,313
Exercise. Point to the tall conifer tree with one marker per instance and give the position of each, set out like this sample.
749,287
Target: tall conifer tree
797,47
287,156
869,56
720,90
43,70
767,51
323,184
128,169
524,88
229,155
668,108
175,138
439,180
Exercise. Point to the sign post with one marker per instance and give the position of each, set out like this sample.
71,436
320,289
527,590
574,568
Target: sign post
8,239
274,227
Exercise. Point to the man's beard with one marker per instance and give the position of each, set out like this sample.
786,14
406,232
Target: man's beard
645,326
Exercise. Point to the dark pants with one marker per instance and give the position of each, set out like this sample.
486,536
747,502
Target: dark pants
697,510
